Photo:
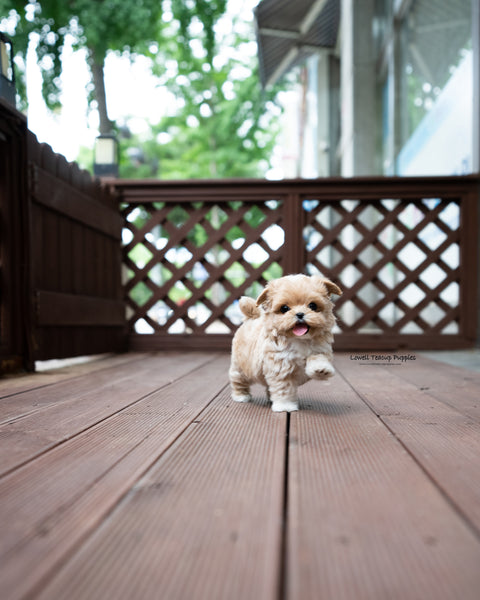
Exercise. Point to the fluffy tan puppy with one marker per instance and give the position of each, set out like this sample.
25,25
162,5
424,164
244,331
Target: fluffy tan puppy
285,340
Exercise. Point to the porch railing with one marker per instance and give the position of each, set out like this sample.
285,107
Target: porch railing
404,251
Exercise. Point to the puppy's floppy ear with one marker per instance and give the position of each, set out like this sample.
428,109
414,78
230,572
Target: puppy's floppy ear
332,288
249,307
262,299
265,296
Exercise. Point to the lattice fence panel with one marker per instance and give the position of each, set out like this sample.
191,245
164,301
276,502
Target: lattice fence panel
403,250
186,264
398,262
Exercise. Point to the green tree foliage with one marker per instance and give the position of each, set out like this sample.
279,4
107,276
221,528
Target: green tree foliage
221,123
98,26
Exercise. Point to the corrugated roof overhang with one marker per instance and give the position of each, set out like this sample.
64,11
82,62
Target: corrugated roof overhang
288,31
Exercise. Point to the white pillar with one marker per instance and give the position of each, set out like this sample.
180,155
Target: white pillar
358,89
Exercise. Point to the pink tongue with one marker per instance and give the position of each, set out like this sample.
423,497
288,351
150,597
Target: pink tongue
300,329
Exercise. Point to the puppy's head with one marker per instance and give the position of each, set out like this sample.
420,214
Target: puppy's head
299,306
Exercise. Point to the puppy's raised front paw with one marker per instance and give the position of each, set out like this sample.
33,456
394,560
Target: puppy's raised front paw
284,406
241,397
319,368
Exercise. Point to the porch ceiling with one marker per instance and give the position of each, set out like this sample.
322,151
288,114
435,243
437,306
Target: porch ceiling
288,32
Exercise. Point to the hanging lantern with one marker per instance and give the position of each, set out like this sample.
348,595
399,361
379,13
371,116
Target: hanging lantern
105,162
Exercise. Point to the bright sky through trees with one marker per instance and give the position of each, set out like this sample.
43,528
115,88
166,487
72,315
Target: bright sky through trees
135,98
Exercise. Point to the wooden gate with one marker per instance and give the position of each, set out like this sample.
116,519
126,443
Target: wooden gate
75,233
60,255
404,250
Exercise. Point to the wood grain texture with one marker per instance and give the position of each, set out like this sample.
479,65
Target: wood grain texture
70,407
60,309
445,442
364,521
205,522
14,384
454,386
140,478
53,502
76,300
58,195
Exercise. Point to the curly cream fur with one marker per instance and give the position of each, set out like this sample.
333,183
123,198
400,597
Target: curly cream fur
266,349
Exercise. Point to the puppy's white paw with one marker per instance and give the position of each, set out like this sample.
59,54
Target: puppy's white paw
241,397
284,406
319,368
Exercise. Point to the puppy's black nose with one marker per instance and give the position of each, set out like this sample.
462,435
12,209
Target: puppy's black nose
300,315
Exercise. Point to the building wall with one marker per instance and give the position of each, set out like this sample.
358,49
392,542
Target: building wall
399,95
409,80
426,80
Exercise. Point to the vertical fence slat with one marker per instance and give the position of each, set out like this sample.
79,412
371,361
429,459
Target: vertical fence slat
15,313
470,259
294,254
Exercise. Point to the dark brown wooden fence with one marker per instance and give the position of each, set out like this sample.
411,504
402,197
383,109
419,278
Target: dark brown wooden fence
61,256
404,250
75,248
14,309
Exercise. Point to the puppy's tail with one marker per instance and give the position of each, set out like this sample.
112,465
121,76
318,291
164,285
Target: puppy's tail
249,307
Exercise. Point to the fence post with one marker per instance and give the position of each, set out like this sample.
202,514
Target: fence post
294,255
15,309
470,262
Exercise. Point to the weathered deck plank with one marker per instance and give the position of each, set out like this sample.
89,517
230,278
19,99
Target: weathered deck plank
364,521
444,441
15,384
204,523
46,417
142,479
456,387
53,502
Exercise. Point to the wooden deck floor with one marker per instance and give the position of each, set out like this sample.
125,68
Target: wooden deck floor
137,477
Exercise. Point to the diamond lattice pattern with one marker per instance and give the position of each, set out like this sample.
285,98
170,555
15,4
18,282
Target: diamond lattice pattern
397,260
187,264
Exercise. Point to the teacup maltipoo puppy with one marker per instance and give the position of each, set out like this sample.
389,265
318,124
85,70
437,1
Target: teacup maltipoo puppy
285,339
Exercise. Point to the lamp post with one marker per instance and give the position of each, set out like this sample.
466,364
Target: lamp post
7,73
105,162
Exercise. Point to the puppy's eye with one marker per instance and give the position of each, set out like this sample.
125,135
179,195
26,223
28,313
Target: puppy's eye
284,308
313,306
